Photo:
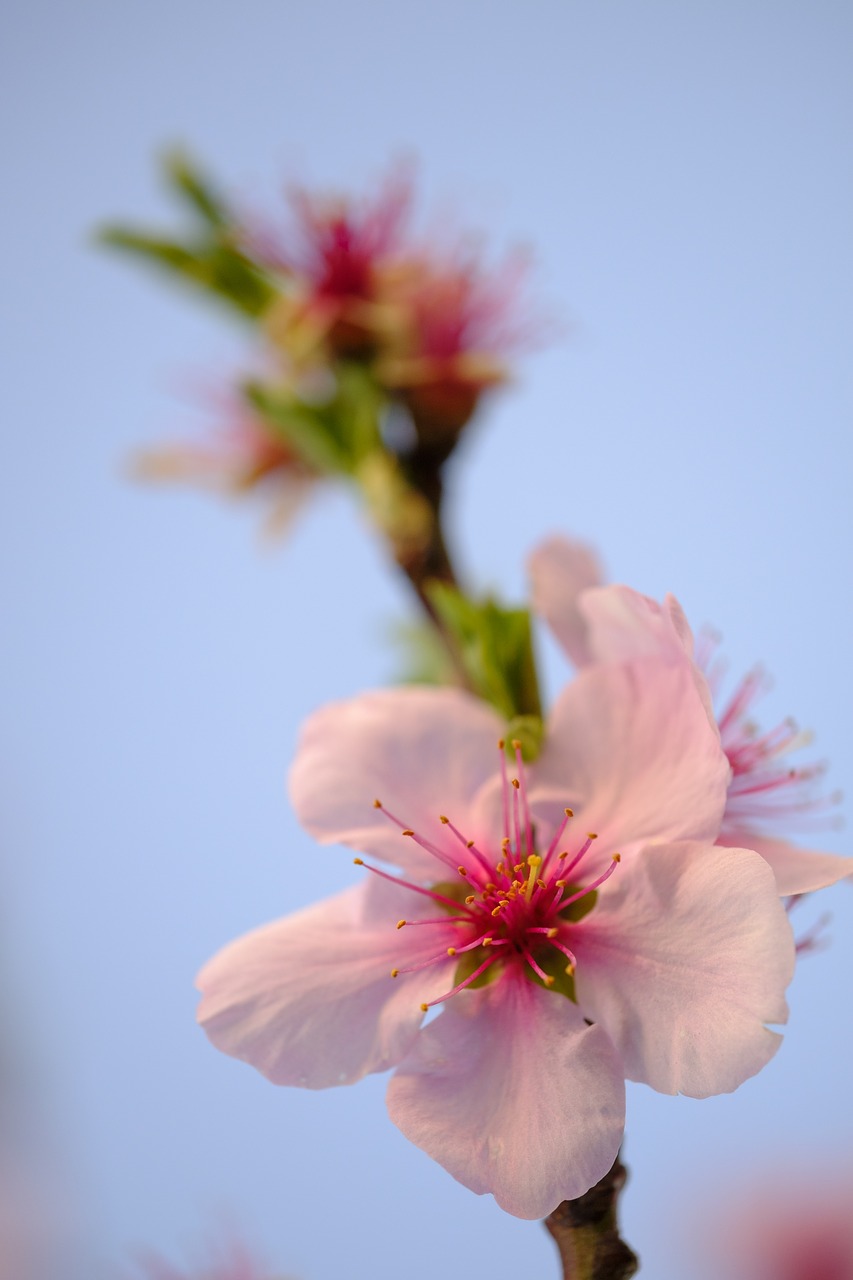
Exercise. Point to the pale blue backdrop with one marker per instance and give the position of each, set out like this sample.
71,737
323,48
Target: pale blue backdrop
683,173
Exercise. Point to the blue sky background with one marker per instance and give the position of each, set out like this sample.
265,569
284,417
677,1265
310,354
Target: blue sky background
683,175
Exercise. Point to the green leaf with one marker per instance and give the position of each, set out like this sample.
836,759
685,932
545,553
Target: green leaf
188,182
300,425
496,647
215,266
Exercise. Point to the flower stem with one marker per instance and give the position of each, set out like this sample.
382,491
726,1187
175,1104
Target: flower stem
431,561
587,1234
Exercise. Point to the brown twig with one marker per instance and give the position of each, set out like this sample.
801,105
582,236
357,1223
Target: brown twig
587,1234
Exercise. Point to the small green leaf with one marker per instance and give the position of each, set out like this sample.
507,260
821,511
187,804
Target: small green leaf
495,644
188,182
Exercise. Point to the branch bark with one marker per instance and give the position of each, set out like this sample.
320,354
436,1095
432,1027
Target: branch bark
586,1232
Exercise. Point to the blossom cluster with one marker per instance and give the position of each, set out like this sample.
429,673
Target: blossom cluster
357,317
530,934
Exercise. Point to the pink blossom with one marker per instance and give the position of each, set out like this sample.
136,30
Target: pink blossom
766,794
459,322
242,454
333,259
573,918
235,1263
794,1228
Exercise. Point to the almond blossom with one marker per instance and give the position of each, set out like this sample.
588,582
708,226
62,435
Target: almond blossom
767,795
572,920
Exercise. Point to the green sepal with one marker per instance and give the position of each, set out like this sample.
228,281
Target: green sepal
530,732
554,964
454,889
496,647
576,911
471,961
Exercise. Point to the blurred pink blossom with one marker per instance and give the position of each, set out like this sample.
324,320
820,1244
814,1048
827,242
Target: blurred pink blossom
241,454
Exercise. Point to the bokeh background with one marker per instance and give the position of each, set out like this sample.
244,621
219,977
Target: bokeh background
683,175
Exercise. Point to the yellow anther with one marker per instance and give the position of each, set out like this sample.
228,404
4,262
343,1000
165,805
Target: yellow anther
548,980
570,813
377,804
469,844
542,884
501,744
424,1008
359,862
395,973
561,884
617,857
470,900
400,924
570,970
518,868
563,855
442,818
463,871
552,933
592,835
497,910
516,783
408,832
516,745
490,888
451,951
505,843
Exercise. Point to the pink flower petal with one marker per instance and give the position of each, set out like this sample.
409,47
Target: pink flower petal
422,751
623,624
309,1000
514,1095
796,870
560,569
631,750
683,961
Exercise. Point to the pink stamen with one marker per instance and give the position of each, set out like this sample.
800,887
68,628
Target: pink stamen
416,888
528,825
460,986
590,888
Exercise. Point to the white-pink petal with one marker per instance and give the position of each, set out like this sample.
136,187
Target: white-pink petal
309,1000
630,748
560,569
423,752
513,1094
796,870
683,961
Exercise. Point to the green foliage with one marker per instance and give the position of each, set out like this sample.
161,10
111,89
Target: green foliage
209,257
495,645
335,435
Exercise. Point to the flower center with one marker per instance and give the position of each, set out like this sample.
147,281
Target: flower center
511,906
